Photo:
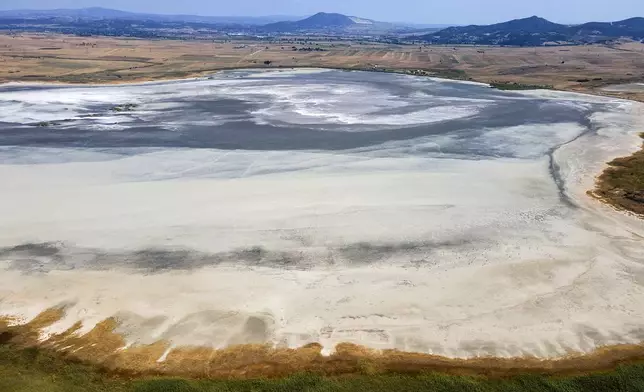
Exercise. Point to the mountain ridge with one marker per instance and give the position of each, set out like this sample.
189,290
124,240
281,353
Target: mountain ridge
326,21
535,30
101,13
531,31
318,22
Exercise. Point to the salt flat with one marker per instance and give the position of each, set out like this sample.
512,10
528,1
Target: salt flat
321,206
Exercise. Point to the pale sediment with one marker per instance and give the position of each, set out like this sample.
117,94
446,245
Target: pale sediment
451,222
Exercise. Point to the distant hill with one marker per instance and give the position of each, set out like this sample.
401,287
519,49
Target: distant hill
327,21
98,13
90,13
536,31
322,22
533,24
532,31
104,21
629,28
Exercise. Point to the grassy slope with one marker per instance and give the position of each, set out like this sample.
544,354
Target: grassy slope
34,370
622,184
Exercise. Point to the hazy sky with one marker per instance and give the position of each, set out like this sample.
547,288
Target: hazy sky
418,11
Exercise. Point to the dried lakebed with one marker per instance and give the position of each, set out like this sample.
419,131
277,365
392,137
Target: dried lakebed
297,207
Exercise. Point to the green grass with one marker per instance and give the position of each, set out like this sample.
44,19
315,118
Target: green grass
33,370
519,86
444,73
623,183
456,74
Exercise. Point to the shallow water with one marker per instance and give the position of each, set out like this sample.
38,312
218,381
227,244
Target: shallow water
386,210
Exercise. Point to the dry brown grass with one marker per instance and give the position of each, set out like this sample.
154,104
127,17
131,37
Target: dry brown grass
107,349
70,59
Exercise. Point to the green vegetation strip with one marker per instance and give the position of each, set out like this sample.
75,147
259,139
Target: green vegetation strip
622,184
519,86
36,370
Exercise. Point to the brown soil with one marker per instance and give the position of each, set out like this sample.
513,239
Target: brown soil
107,349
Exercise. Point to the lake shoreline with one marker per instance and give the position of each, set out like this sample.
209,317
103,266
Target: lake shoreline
106,351
106,348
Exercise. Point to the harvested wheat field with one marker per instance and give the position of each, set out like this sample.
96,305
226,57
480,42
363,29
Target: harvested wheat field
70,59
